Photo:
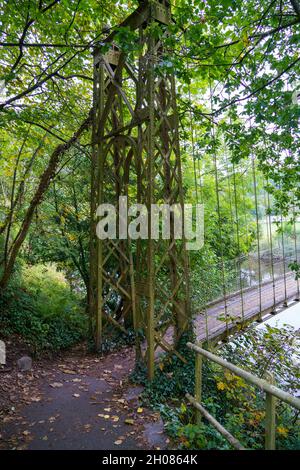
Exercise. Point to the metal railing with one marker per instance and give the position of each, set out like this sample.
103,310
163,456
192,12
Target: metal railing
272,393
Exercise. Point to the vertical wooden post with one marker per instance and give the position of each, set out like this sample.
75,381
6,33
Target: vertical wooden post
198,383
187,292
99,192
150,173
133,304
270,424
95,287
93,203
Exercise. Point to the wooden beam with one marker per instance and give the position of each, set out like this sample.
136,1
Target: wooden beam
260,383
133,21
229,437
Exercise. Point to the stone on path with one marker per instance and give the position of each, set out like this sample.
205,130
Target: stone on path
24,363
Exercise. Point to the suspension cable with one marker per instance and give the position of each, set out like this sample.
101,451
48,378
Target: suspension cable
191,125
247,230
285,303
237,224
257,235
218,209
197,177
228,178
270,240
296,251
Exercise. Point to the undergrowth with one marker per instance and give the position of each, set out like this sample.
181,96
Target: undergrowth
237,405
39,306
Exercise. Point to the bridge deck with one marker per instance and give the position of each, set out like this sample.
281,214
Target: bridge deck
216,327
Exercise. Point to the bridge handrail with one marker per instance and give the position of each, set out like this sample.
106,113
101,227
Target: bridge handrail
272,392
261,383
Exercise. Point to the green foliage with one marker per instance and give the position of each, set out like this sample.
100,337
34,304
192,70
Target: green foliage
42,310
269,349
192,437
211,45
172,377
49,290
238,406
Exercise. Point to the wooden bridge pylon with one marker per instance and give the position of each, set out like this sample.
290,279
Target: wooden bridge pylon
142,283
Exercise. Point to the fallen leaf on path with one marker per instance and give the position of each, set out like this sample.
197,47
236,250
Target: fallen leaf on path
129,421
69,371
56,385
94,398
36,399
118,442
140,410
76,395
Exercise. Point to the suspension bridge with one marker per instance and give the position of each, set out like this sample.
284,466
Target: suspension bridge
155,148
212,324
137,152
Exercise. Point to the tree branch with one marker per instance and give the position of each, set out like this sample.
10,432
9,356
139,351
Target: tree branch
296,7
269,82
44,183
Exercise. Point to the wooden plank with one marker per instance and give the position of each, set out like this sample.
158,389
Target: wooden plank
116,324
229,437
112,57
217,329
133,21
168,348
160,12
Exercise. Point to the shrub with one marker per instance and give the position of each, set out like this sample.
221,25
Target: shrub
42,309
237,405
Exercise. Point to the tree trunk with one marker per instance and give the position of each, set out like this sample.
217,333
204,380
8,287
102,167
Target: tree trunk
45,181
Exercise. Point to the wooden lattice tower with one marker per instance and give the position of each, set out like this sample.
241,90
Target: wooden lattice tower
138,283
